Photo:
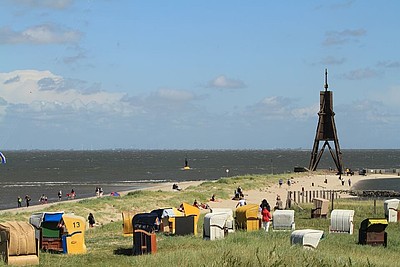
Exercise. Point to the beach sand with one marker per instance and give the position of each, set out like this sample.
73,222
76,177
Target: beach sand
252,196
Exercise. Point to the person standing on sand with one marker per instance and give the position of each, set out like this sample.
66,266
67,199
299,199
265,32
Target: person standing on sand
27,200
59,195
19,202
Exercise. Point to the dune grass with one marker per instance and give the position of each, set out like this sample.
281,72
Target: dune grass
107,247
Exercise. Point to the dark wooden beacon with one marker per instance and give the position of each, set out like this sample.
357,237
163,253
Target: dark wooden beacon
326,131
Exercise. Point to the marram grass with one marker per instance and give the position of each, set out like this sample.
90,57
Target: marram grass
107,247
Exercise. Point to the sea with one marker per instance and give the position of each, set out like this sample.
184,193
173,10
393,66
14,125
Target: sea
37,172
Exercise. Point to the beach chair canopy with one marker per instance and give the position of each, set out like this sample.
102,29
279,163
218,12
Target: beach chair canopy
247,211
374,225
159,213
127,228
145,221
308,238
45,223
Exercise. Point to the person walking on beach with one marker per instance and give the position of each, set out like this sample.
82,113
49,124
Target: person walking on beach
266,218
59,195
27,200
91,220
280,182
19,202
101,191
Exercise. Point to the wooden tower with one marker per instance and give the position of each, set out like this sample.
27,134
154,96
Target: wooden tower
326,131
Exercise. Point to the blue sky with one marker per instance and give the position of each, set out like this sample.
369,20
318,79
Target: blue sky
196,74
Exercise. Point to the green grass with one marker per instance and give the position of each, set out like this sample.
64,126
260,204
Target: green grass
107,247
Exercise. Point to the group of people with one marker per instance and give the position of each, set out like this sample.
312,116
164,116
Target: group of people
99,191
176,187
200,205
238,193
43,199
71,195
27,200
265,210
343,181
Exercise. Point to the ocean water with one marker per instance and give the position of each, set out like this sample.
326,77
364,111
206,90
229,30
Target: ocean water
383,184
46,172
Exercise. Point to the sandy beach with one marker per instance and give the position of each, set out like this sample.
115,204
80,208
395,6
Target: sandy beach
309,181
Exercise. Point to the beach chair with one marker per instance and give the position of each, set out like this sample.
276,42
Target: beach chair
214,226
73,239
391,212
144,238
372,232
190,210
168,219
47,230
247,217
18,245
283,220
342,221
321,208
230,221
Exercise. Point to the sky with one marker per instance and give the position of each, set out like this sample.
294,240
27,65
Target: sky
85,74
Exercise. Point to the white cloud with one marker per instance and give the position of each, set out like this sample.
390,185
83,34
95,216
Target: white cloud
333,38
40,34
53,4
224,82
44,91
389,97
306,112
389,64
361,74
175,95
332,61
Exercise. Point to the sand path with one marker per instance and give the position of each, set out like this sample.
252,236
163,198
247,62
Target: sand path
251,196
